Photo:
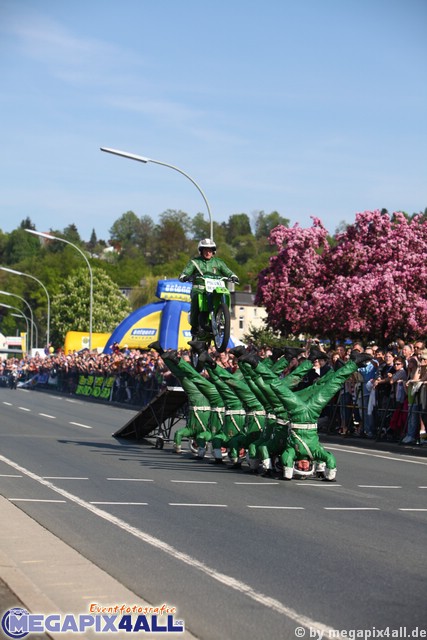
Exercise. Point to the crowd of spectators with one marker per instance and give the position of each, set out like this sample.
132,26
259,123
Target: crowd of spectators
387,399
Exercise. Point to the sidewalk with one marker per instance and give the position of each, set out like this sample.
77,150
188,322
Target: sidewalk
42,574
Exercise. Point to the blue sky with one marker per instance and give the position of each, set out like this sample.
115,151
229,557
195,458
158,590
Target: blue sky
308,108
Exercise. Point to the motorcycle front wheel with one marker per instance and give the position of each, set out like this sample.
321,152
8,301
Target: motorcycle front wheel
221,327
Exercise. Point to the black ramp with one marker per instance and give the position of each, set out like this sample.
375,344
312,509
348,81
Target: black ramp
157,417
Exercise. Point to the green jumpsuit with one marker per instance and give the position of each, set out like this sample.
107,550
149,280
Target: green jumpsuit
273,439
304,410
195,269
201,419
234,417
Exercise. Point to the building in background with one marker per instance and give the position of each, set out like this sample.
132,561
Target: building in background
245,315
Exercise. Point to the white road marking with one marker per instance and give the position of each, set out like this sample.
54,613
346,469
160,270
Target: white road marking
194,504
63,478
195,481
9,475
315,484
131,479
412,509
46,415
124,503
352,508
24,409
9,404
233,583
78,424
379,486
377,455
256,506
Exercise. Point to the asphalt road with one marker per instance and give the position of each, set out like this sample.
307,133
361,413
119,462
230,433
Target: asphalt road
238,555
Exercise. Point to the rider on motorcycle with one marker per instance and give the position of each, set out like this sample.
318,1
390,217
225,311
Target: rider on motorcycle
206,265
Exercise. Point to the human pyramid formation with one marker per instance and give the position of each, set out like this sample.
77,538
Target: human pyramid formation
256,410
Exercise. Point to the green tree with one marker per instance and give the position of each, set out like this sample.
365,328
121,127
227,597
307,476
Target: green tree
19,245
72,234
27,224
171,236
70,308
238,225
125,231
264,223
200,226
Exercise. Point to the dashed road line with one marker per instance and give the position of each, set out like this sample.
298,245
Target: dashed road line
24,409
195,481
121,503
379,486
46,415
316,484
63,478
78,424
194,504
262,506
131,479
352,508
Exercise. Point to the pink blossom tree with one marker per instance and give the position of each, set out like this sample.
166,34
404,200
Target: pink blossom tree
369,282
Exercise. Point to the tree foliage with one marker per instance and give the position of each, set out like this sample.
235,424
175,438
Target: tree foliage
71,306
370,282
368,279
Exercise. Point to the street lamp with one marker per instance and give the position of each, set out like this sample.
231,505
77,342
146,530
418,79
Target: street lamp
7,293
132,156
27,275
51,237
21,315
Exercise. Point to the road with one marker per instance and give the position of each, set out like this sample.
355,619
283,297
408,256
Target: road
238,555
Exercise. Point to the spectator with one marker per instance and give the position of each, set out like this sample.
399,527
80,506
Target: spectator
398,382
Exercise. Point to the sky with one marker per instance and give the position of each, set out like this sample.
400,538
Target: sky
312,108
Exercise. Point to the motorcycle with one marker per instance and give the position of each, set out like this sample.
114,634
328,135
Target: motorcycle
214,316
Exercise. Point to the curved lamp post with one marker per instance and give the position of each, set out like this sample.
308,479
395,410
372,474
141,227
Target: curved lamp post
48,236
7,293
20,315
27,275
145,160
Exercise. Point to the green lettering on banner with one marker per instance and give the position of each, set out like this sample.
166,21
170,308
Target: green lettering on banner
82,386
95,386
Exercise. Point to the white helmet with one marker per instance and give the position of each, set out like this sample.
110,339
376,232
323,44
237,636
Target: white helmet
207,243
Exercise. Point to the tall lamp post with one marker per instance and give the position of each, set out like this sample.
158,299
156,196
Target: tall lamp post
48,236
27,275
21,315
145,160
8,293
